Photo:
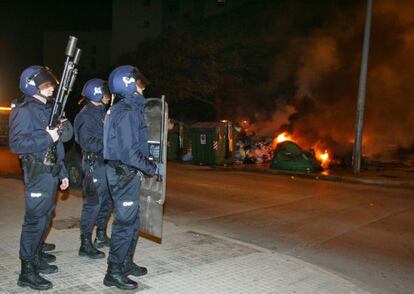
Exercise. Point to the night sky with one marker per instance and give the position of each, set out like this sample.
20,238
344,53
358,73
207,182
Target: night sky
283,65
22,24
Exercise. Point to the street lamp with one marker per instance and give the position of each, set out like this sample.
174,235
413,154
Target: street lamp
359,124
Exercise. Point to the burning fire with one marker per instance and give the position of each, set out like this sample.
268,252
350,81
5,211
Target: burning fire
323,157
281,138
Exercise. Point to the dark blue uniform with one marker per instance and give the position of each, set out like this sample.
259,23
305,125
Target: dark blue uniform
126,149
29,139
88,128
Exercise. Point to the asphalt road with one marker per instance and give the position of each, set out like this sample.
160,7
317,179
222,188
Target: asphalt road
362,232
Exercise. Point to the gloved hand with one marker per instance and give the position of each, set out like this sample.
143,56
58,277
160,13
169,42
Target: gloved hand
53,133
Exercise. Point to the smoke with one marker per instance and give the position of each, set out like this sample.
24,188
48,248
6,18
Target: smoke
326,73
321,57
390,109
266,128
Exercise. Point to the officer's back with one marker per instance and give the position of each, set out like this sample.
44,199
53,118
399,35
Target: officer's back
125,135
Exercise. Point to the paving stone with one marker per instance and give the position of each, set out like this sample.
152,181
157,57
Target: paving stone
187,261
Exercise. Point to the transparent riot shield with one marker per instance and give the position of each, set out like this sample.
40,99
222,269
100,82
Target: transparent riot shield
152,194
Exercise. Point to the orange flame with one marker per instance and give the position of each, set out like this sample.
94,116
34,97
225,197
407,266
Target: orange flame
323,157
281,138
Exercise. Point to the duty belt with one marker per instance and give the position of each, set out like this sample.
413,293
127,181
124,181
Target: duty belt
35,167
114,163
125,172
92,156
121,167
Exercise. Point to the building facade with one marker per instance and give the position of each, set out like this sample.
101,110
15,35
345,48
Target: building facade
134,21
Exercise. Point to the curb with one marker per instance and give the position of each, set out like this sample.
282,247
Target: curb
314,176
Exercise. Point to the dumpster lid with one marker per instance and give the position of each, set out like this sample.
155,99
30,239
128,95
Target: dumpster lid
208,125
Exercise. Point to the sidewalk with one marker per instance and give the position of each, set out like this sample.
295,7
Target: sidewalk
187,261
392,177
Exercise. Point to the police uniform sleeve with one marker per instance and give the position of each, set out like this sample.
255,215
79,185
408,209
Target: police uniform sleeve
63,173
77,124
86,134
61,158
22,137
132,152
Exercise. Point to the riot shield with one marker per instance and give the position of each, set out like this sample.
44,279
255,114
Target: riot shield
152,194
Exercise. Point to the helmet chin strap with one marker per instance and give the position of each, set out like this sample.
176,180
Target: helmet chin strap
49,100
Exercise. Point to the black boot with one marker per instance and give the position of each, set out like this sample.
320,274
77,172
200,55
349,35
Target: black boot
101,239
48,246
30,278
115,277
128,266
131,268
87,248
43,267
47,257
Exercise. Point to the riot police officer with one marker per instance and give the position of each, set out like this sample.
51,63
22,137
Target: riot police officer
126,151
89,134
41,152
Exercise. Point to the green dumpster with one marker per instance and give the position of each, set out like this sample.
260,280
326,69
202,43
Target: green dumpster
289,156
176,141
212,143
186,154
173,143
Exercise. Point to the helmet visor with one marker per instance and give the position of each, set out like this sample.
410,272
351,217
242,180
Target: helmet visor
105,89
137,75
44,75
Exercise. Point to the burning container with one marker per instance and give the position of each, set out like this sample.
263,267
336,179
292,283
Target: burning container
289,156
212,142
